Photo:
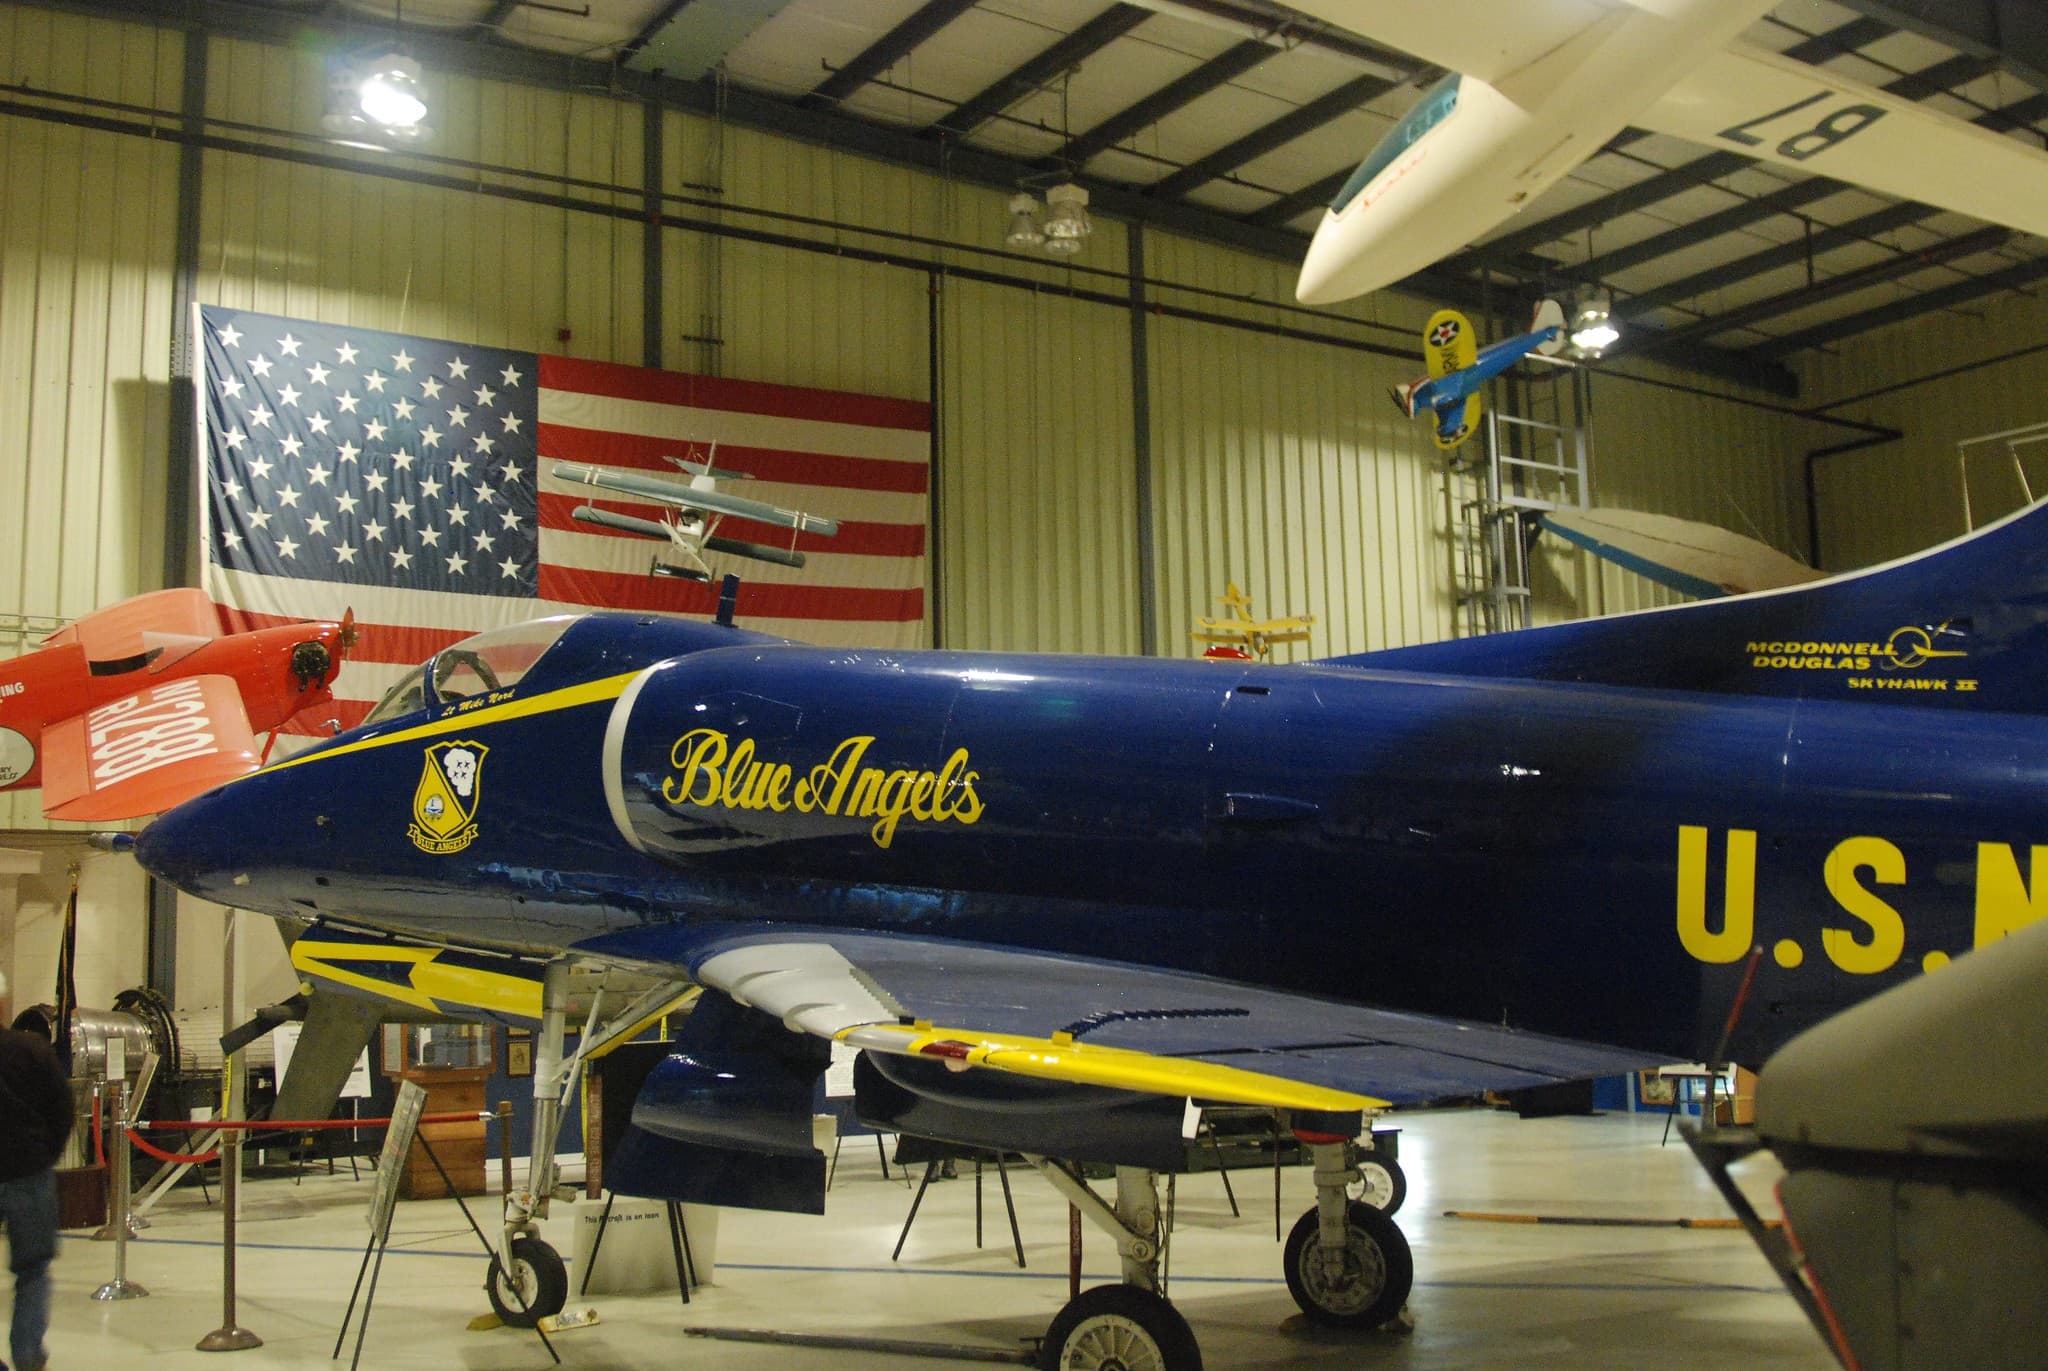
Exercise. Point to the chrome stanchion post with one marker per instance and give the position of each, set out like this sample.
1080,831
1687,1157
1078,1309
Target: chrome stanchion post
119,1288
230,1336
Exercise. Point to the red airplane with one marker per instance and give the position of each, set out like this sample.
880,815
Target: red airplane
145,703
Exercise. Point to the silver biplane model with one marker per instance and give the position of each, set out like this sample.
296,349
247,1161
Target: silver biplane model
700,506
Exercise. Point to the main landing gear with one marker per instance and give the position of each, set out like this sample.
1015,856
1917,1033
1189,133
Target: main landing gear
528,1280
1127,1327
1346,1263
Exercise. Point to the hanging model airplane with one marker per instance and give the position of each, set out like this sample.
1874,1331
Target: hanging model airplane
1538,86
137,706
1242,637
692,531
1054,900
1459,368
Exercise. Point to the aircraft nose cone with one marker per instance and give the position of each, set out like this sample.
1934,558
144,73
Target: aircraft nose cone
189,846
1323,267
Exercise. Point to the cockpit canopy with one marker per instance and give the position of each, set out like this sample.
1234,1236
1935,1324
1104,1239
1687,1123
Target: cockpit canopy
496,659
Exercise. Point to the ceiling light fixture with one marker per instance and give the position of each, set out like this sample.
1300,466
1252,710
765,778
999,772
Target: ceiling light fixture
1066,219
1024,230
375,100
1593,330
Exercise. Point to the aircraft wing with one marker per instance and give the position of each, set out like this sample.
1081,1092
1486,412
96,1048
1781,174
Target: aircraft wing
693,497
1482,38
180,618
145,752
1690,557
1754,102
1087,1022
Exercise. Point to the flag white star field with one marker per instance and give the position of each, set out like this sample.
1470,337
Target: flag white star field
407,478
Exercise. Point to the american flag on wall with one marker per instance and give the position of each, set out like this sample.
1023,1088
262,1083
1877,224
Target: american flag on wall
408,478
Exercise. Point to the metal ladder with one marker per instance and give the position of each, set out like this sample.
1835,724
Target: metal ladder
1521,463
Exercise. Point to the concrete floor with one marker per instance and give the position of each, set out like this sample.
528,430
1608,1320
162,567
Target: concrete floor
1486,1294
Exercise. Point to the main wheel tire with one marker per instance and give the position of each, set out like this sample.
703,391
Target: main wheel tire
1381,1184
1119,1328
1375,1277
542,1284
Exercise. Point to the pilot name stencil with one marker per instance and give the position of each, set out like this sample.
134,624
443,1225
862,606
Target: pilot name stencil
713,772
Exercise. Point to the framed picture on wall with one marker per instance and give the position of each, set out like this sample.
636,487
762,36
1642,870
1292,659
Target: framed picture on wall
519,1052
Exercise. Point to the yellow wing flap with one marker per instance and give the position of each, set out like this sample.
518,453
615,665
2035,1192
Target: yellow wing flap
1062,1058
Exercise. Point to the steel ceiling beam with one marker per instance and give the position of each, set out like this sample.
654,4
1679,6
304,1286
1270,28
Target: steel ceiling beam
1809,245
1660,185
1846,283
1063,56
496,15
649,31
1840,41
828,128
1310,196
2014,33
1175,95
1947,297
886,51
1260,141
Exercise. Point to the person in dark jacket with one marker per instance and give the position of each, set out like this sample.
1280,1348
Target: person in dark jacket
35,1121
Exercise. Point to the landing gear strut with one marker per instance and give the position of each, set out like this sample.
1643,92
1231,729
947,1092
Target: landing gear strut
528,1280
1347,1264
1127,1327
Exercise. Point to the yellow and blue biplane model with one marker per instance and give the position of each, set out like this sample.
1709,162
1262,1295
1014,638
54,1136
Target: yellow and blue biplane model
1459,367
1052,902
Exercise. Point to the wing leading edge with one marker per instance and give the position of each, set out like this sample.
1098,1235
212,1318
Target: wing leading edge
1085,1022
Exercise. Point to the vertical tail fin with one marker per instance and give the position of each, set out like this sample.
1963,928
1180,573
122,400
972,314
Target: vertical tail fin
1960,626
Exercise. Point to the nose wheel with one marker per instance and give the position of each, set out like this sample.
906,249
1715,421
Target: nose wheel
535,1286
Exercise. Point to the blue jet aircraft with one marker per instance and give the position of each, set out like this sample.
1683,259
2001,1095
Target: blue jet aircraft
1053,900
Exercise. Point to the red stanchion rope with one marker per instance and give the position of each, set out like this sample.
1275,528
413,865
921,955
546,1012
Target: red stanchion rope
172,1158
303,1125
99,1144
265,1125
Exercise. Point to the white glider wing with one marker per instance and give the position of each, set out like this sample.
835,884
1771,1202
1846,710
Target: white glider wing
1486,39
1747,100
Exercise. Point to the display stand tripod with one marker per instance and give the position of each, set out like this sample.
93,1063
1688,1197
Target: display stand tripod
379,1241
678,1241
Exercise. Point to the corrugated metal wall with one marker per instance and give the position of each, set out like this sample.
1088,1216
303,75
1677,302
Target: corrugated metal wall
1276,461
1940,379
1661,447
1037,491
87,224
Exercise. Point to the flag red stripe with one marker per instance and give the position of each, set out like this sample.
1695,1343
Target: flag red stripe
754,397
602,447
855,539
757,599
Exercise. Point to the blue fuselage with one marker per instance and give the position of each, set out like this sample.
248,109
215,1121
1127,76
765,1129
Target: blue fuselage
1583,860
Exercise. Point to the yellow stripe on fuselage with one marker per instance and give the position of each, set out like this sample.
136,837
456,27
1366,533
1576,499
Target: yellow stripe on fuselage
568,697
